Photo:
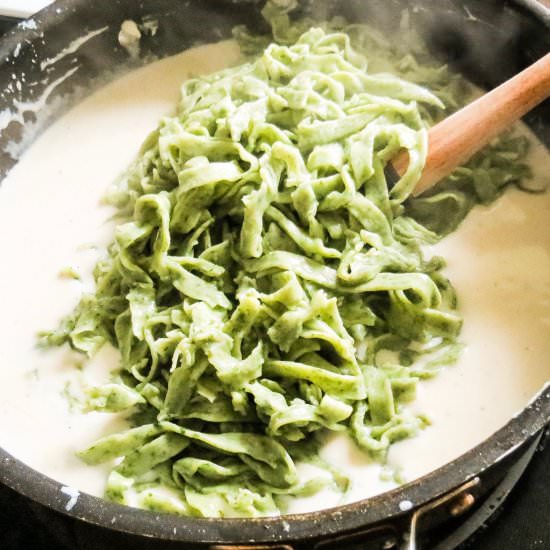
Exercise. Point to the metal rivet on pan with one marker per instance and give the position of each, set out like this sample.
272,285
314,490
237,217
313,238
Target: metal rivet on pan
390,544
462,504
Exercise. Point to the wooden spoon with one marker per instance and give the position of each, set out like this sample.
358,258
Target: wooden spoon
454,140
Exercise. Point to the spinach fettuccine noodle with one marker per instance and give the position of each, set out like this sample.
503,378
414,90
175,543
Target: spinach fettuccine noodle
266,286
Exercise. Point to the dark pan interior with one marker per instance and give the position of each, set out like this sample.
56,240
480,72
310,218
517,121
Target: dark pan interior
486,40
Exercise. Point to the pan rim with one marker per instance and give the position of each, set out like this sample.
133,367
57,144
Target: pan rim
312,525
36,486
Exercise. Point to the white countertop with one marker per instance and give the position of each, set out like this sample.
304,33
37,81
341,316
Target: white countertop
22,8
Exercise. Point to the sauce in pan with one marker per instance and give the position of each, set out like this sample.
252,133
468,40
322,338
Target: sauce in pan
498,260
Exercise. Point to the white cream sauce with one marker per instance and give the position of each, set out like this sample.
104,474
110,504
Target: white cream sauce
499,261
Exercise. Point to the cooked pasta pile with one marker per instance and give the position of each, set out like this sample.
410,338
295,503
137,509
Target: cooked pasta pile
267,287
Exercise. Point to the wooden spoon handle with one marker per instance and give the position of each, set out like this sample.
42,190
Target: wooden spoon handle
455,139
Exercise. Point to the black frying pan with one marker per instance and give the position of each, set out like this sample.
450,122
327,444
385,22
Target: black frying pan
501,39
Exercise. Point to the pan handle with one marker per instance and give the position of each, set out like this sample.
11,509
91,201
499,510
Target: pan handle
462,499
459,501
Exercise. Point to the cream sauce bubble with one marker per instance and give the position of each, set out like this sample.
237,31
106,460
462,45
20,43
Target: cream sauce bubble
498,260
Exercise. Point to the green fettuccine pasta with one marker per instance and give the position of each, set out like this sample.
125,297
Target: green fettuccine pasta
267,286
